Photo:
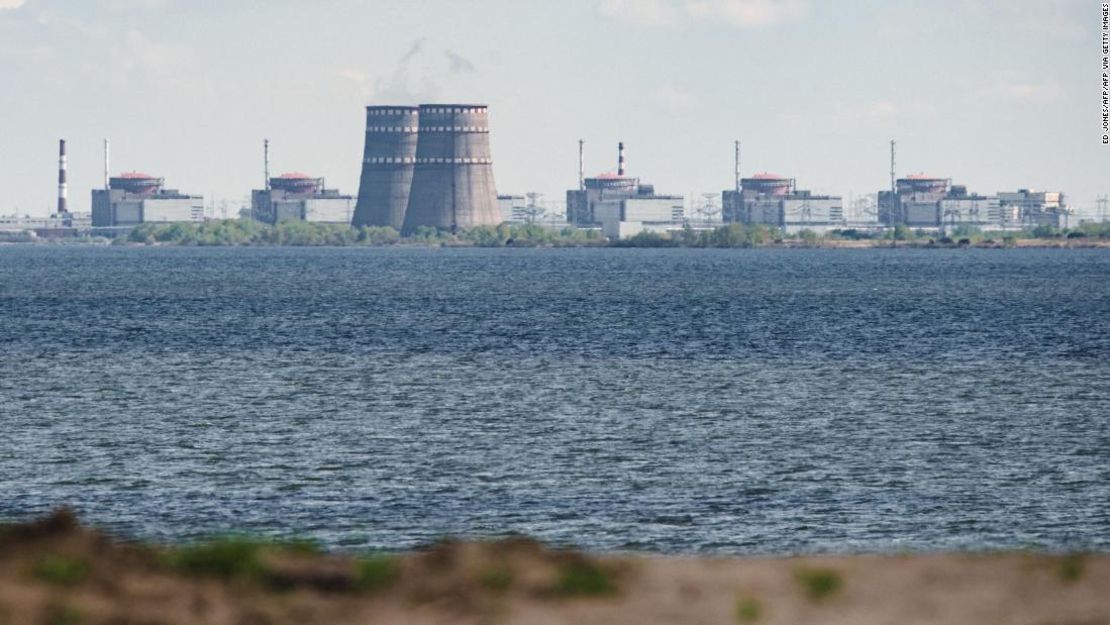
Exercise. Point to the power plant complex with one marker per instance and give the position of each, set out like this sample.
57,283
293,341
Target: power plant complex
430,167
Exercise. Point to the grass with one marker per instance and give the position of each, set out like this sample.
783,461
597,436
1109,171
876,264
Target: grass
377,572
497,578
226,558
819,584
585,579
60,614
61,570
1071,567
748,610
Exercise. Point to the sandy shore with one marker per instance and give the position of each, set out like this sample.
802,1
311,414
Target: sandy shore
54,572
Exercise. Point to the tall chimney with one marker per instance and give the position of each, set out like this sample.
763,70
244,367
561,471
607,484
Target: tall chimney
266,163
736,173
107,185
620,158
61,176
581,166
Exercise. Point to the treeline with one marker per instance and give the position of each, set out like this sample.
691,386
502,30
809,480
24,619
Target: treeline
245,232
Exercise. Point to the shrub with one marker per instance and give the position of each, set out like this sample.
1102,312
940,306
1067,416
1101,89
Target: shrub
496,578
819,583
377,572
227,558
748,610
61,570
585,579
1071,567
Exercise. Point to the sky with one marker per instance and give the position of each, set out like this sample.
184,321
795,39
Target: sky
998,95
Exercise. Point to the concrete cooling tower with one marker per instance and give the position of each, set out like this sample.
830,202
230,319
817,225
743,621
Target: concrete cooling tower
452,182
387,166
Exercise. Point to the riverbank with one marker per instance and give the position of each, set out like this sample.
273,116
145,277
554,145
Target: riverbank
244,233
54,571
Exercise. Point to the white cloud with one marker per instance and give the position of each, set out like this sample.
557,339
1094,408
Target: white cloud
638,11
881,108
1059,19
10,4
1033,91
744,14
748,13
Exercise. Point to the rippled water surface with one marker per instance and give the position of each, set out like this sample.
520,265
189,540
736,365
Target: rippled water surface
726,401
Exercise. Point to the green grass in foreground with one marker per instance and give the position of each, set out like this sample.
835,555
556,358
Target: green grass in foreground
62,570
1071,567
819,584
748,610
227,558
496,578
585,579
377,572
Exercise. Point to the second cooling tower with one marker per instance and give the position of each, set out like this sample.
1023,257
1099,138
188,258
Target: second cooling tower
452,181
387,166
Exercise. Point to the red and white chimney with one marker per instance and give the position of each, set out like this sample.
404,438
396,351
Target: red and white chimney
620,158
61,176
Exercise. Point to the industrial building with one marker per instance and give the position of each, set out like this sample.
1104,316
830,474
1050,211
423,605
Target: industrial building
300,197
620,205
915,201
513,209
1036,208
930,202
134,198
774,200
427,166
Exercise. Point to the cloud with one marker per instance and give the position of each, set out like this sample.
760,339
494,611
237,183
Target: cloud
139,52
748,13
743,14
880,108
1033,91
1059,19
638,11
10,4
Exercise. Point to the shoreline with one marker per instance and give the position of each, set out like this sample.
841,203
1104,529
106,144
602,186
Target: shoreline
53,570
785,244
239,233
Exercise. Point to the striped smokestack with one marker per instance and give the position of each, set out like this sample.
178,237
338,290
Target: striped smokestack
61,176
620,158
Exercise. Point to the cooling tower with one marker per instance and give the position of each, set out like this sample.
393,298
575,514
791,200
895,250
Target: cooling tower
387,166
452,183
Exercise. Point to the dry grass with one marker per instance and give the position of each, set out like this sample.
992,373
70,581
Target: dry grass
54,572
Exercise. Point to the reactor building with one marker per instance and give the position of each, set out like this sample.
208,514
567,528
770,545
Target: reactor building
930,202
134,198
427,166
621,205
934,203
300,197
775,200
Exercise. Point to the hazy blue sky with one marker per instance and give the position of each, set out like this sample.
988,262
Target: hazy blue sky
995,94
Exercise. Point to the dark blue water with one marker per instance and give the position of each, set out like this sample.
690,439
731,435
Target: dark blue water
728,401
